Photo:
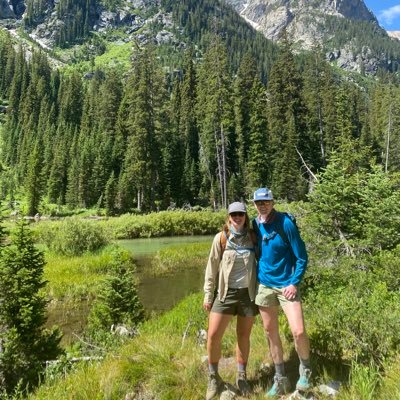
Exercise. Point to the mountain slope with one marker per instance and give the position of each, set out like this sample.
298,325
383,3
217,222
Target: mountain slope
346,29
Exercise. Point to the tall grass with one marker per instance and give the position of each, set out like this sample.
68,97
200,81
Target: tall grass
76,277
364,380
165,361
165,223
188,256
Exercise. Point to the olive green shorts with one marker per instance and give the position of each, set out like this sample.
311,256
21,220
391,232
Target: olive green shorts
237,302
270,296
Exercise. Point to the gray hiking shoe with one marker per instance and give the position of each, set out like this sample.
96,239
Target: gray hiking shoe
281,386
215,386
242,384
304,383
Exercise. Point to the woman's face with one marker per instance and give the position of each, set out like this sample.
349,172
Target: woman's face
237,220
264,207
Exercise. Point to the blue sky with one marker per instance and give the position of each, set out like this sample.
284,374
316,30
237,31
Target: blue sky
387,12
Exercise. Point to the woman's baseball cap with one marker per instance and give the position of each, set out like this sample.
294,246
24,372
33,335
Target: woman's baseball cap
237,206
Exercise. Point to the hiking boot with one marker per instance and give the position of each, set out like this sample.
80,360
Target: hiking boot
242,384
280,387
215,386
303,384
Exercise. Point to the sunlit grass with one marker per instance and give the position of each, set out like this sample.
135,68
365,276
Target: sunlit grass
75,277
165,361
177,258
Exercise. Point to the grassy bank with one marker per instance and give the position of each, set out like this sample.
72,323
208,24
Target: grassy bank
129,226
352,309
163,362
166,362
175,259
75,277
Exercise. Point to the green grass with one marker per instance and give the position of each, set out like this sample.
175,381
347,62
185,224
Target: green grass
75,277
172,259
160,363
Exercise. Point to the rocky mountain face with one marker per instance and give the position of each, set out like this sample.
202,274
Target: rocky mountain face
310,23
304,20
11,9
130,15
394,34
307,22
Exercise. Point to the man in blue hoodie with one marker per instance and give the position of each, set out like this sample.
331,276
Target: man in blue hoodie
281,266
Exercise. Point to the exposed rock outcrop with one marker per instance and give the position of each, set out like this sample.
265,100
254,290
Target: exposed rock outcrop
394,34
310,23
303,19
6,10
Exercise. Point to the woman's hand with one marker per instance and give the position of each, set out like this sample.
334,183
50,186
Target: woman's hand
290,292
207,306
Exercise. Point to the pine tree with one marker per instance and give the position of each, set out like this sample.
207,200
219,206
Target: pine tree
17,89
34,180
26,344
242,94
144,127
7,56
110,193
57,180
189,134
286,124
174,152
214,113
319,93
117,302
258,166
70,100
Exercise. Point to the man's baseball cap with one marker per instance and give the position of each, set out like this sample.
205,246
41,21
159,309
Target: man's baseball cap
263,194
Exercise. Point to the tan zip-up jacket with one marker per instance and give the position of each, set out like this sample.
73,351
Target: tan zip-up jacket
224,267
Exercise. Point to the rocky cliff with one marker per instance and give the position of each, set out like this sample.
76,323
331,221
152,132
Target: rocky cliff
312,22
329,24
303,19
394,34
46,27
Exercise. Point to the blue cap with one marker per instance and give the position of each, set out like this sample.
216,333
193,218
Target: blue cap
262,194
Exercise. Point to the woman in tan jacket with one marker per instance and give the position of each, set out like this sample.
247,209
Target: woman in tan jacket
231,269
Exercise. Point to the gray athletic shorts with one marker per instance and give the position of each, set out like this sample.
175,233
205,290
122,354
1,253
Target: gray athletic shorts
237,302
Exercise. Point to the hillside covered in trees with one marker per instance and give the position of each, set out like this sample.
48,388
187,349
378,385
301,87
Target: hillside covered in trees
203,134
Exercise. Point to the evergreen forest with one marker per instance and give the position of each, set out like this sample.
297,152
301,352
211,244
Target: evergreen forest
193,128
201,135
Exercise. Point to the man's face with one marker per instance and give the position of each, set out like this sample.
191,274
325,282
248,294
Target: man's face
264,207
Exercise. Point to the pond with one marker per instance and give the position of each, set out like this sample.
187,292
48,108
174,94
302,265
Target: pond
157,293
162,293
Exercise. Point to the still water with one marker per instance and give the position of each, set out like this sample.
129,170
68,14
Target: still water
157,293
162,293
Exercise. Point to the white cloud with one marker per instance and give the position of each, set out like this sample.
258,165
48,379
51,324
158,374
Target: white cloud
389,15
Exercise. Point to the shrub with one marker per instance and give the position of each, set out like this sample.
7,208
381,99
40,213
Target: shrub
73,236
25,343
351,316
356,208
117,302
166,223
